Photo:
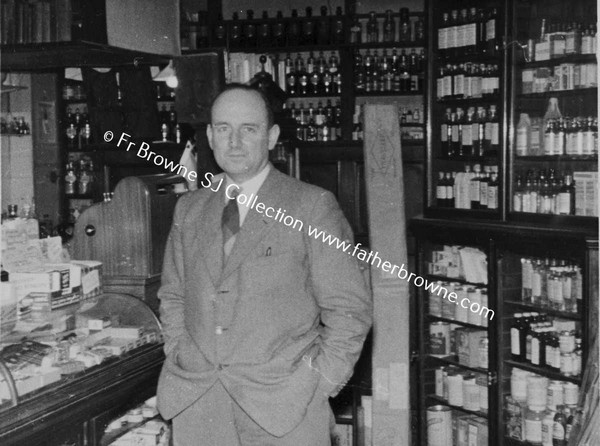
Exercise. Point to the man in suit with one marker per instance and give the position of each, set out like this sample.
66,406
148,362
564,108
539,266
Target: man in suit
262,322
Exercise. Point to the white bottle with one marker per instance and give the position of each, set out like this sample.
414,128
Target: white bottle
552,112
523,143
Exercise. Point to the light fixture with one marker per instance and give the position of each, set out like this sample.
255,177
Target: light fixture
9,83
168,76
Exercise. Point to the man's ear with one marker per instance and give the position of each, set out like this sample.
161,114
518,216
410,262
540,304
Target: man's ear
209,135
273,136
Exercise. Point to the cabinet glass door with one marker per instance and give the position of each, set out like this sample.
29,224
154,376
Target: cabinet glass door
553,176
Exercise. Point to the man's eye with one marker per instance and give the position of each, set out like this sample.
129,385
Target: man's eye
249,129
222,129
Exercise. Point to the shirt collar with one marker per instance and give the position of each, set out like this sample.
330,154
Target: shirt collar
252,185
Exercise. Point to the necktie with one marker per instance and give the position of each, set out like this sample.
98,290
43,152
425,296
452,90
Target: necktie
230,223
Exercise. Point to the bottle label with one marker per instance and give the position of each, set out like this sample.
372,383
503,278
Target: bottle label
467,135
558,431
521,146
535,351
450,192
515,346
444,135
533,430
440,192
492,201
490,29
495,133
483,192
455,133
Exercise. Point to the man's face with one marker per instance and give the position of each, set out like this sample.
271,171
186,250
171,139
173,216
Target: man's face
238,134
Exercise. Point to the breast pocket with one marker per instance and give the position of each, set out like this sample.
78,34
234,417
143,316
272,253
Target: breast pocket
272,273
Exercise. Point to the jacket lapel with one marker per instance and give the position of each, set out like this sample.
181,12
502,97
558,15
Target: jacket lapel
209,237
256,225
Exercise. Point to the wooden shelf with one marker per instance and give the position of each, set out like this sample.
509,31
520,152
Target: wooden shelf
572,58
544,371
388,93
465,102
44,56
549,311
560,93
457,280
454,321
557,158
451,360
441,400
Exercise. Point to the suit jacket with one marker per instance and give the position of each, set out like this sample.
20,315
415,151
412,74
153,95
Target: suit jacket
284,317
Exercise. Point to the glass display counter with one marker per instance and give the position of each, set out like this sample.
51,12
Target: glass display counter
59,386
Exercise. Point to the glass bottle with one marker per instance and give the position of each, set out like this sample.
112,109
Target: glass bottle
324,27
389,27
308,28
279,30
264,31
338,26
372,28
404,30
293,30
249,30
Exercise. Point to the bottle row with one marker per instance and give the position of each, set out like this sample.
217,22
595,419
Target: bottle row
538,425
16,126
447,427
551,283
573,136
533,390
468,80
463,388
78,129
544,192
169,127
559,39
387,28
469,31
80,177
389,72
471,134
440,306
471,189
317,76
544,342
563,77
317,124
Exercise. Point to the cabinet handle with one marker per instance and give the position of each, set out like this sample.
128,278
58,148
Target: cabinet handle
90,230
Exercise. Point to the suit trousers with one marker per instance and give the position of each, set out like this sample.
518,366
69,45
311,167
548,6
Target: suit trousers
216,419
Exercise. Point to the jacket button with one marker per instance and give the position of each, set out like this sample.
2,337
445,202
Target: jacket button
219,330
220,367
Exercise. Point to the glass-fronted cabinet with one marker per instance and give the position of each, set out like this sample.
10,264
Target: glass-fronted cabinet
467,91
553,175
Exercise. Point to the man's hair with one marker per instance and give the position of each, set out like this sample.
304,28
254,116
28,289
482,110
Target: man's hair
244,87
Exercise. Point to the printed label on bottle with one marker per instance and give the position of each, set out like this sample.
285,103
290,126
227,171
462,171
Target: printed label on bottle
521,145
440,192
536,284
533,430
490,29
535,351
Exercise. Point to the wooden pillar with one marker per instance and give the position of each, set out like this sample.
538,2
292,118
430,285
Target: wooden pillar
385,193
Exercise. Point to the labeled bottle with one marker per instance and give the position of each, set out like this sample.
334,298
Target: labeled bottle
294,29
236,30
323,28
308,28
552,114
249,30
523,139
372,28
389,27
338,26
264,31
279,30
404,26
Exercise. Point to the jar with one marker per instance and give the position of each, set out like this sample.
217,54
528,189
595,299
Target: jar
537,390
555,395
547,426
461,313
533,425
439,338
566,341
571,394
518,384
483,353
566,364
447,306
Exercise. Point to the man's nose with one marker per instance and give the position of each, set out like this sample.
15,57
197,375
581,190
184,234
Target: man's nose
235,140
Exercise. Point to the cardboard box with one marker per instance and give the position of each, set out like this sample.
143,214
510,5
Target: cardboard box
467,345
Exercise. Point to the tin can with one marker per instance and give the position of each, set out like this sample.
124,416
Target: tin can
470,393
439,339
483,353
439,381
448,308
460,313
474,317
482,384
439,426
435,301
518,384
455,389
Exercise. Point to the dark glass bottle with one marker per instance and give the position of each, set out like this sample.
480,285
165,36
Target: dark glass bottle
389,27
249,30
279,30
220,33
264,30
308,28
491,31
356,31
294,29
235,31
324,27
338,26
404,30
